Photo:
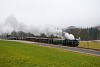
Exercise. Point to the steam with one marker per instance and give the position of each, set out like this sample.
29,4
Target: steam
12,24
69,36
46,29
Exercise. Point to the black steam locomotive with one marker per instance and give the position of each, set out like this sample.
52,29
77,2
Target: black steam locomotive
65,42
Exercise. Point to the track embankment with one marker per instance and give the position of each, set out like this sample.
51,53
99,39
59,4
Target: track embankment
74,49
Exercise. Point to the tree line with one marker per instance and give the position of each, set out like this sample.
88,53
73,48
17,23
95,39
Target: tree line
92,33
23,35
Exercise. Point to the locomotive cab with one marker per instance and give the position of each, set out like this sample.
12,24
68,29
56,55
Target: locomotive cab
72,43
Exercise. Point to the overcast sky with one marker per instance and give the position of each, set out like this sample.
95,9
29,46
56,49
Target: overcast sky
53,12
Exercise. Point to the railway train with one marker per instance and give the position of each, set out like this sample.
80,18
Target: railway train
65,42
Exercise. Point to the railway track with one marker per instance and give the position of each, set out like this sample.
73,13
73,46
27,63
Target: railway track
74,49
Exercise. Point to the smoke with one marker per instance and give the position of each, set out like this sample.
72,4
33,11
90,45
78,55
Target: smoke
69,36
12,24
46,29
4,28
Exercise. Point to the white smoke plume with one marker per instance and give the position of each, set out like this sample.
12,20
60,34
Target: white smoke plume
12,24
46,29
69,36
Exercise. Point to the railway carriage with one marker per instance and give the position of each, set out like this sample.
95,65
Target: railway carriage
65,42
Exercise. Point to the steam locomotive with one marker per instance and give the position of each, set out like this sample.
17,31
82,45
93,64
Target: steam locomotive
65,42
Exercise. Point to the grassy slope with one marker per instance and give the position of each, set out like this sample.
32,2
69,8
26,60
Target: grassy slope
94,45
14,54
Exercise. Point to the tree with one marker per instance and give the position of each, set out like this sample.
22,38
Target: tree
30,35
7,36
13,34
43,35
21,35
93,33
73,30
51,36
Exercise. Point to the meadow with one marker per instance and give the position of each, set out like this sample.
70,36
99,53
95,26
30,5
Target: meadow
91,45
15,54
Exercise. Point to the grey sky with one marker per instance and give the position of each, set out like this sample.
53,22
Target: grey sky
54,12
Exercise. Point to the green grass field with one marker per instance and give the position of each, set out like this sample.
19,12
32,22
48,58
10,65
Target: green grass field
14,54
93,45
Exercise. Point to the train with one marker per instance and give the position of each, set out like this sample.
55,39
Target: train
56,41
